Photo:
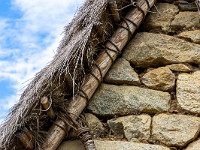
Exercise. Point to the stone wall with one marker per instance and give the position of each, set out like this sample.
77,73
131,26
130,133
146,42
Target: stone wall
150,98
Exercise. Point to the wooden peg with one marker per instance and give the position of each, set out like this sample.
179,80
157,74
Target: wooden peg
46,105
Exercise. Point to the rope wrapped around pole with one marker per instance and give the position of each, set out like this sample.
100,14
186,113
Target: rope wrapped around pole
113,47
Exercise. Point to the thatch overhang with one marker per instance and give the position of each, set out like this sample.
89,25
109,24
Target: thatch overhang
84,38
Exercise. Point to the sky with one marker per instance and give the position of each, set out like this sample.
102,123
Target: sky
30,32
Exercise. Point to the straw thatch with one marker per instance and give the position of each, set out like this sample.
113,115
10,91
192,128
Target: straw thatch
75,55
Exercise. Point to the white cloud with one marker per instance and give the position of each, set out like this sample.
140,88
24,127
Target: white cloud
33,38
1,121
3,23
8,103
47,15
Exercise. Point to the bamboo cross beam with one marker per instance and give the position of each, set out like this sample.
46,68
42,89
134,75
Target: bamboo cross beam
26,138
117,42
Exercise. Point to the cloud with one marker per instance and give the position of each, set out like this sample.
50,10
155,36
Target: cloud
1,121
2,23
28,43
6,105
46,16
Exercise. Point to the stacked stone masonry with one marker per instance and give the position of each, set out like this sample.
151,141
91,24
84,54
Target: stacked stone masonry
150,98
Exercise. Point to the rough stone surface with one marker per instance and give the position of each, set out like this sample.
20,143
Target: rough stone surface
185,20
188,92
111,145
95,125
160,79
120,100
122,73
167,1
194,145
162,19
134,128
193,36
179,68
175,130
71,145
150,49
188,7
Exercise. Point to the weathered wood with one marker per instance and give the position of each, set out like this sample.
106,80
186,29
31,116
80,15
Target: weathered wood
69,81
56,135
29,135
46,105
26,138
113,9
90,83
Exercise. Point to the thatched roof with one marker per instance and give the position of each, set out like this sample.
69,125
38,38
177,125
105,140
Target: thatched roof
76,52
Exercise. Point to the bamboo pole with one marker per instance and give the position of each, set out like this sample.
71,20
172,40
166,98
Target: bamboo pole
46,105
113,9
90,83
26,138
56,135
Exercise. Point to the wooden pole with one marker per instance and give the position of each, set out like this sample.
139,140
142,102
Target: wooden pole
29,135
46,105
26,138
56,135
113,9
90,83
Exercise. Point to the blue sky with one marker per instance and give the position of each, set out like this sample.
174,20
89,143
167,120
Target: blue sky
30,32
